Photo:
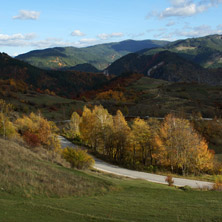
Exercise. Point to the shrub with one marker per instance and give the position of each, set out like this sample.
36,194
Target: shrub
77,158
169,180
7,128
31,139
38,131
186,188
218,183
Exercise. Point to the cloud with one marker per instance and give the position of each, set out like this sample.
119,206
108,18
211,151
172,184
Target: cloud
27,15
88,40
178,2
77,33
198,31
29,40
105,36
185,8
188,9
18,36
136,35
187,32
170,23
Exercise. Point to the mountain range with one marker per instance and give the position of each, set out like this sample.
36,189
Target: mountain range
204,51
180,61
100,56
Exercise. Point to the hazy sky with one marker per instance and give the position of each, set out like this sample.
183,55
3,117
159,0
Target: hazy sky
26,25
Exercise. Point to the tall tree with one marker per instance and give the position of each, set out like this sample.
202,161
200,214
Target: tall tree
141,133
121,136
104,128
181,148
7,129
87,128
72,129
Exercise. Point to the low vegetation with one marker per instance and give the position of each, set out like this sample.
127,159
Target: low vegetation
218,183
36,131
77,158
169,180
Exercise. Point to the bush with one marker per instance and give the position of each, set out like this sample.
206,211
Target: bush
218,183
31,139
77,158
169,180
36,131
186,188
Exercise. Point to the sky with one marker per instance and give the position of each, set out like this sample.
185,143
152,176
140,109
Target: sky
29,25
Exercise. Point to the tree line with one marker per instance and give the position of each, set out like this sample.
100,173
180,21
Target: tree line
173,144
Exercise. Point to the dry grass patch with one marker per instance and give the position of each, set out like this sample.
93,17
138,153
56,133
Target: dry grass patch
29,174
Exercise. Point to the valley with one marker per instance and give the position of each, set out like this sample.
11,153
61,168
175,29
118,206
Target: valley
144,111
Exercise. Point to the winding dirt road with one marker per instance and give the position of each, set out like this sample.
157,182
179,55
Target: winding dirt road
109,168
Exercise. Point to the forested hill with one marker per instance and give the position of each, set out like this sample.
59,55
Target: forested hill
99,56
165,65
64,83
204,51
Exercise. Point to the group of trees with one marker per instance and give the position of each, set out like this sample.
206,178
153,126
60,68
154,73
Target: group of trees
33,129
37,131
172,144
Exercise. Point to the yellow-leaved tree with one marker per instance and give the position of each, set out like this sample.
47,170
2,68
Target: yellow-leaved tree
121,136
7,128
103,126
88,130
72,129
142,138
181,148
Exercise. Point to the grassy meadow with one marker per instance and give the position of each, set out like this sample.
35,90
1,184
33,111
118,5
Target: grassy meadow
35,187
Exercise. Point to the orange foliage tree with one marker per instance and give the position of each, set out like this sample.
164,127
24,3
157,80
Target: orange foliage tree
36,130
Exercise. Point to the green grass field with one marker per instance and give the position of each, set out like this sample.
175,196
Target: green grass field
135,200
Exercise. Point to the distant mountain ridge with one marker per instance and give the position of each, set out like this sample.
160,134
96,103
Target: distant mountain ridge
99,56
205,51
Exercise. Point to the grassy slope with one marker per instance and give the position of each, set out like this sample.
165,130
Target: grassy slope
135,201
25,173
30,186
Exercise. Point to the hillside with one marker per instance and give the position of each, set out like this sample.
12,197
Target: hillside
204,51
26,173
65,83
99,56
165,65
85,67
